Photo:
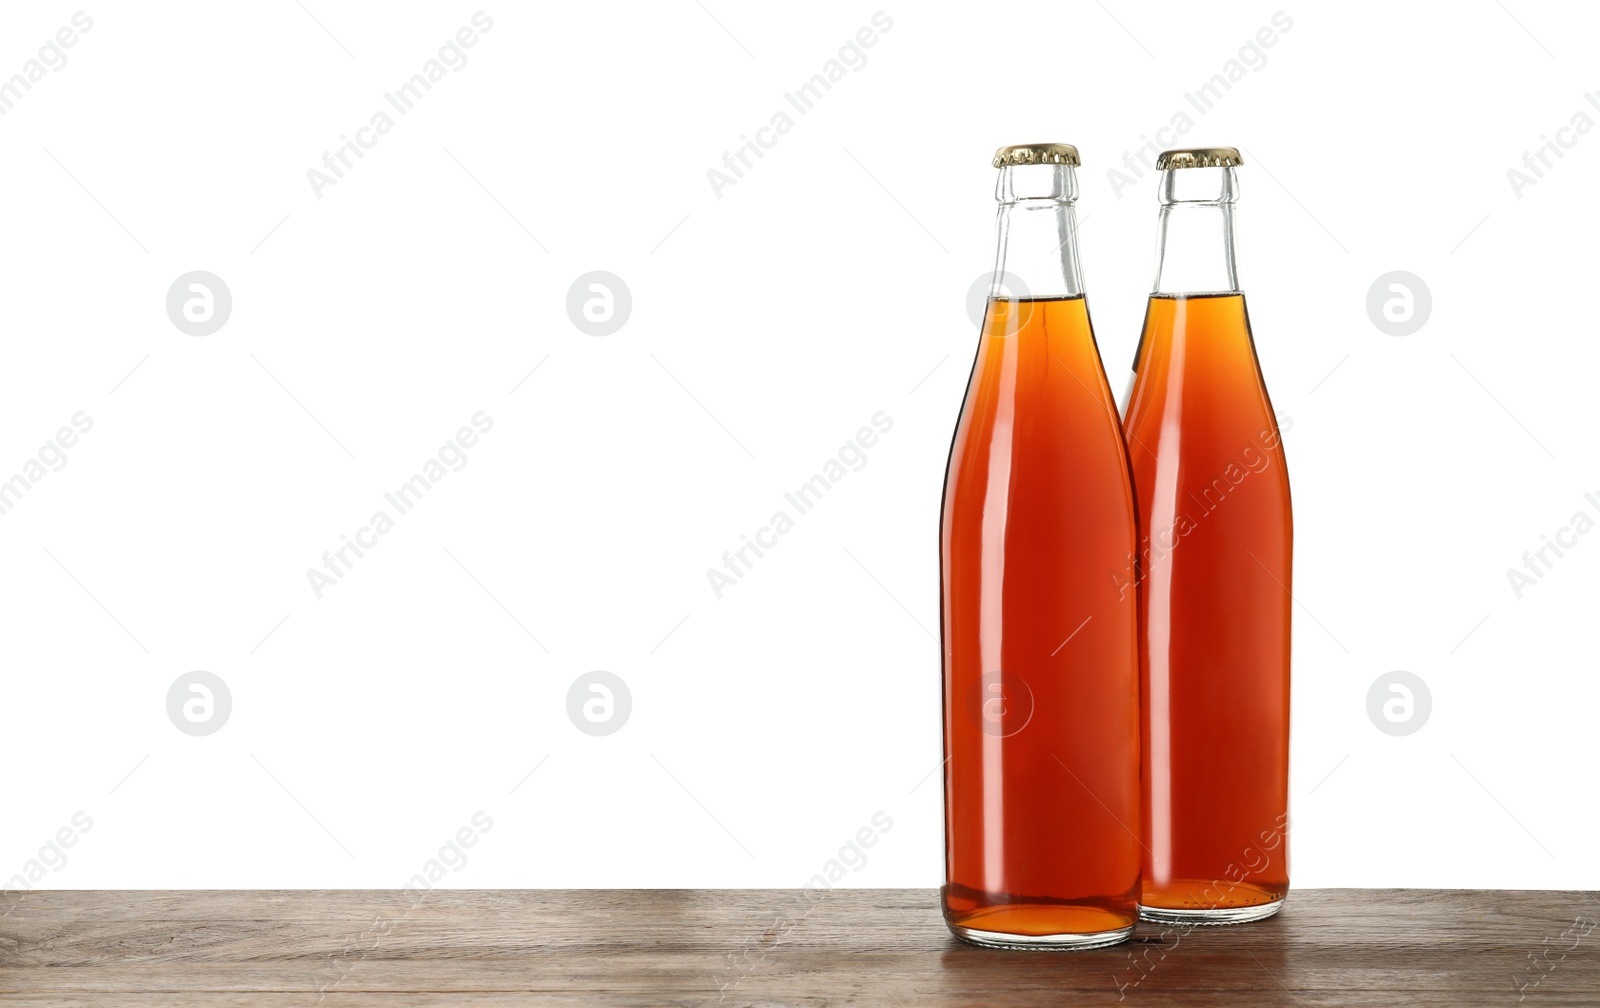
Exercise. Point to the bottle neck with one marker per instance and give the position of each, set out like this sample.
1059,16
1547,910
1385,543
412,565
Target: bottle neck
1036,233
1194,247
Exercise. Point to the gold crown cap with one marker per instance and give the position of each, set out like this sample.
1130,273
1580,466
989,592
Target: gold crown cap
1199,157
1030,154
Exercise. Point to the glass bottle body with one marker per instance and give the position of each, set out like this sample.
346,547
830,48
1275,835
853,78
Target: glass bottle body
1040,645
1213,579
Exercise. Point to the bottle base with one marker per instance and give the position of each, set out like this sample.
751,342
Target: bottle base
1217,915
1046,943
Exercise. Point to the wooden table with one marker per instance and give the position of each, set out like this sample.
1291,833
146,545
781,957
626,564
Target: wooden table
771,947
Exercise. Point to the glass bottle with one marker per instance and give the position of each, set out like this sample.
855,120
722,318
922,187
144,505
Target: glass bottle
1213,570
1041,724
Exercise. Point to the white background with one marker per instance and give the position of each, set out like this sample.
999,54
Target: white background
768,324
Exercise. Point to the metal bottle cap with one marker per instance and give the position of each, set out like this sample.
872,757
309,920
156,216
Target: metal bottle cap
1199,157
1031,154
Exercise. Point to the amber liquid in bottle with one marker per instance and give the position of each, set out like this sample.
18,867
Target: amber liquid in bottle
1040,664
1214,558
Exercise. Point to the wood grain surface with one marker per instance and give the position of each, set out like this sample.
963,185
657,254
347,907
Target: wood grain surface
770,947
